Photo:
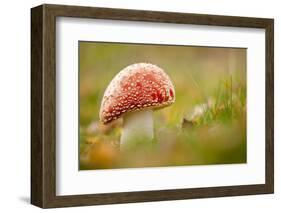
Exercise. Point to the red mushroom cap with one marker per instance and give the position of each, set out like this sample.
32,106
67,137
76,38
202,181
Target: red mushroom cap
136,87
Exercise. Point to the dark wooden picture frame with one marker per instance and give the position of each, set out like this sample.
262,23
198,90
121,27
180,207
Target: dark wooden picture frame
43,105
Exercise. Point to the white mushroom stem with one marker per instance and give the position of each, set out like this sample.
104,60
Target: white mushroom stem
137,125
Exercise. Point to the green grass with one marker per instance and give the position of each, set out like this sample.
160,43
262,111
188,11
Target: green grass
215,135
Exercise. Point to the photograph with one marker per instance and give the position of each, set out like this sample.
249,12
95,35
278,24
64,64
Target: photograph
143,105
159,105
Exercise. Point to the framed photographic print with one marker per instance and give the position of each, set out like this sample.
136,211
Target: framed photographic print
136,106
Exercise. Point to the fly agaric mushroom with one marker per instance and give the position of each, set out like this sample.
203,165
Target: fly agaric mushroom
133,94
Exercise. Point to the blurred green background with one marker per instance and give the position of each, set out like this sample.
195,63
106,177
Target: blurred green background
205,125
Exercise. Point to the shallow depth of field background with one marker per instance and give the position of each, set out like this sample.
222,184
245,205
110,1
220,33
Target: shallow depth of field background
205,125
